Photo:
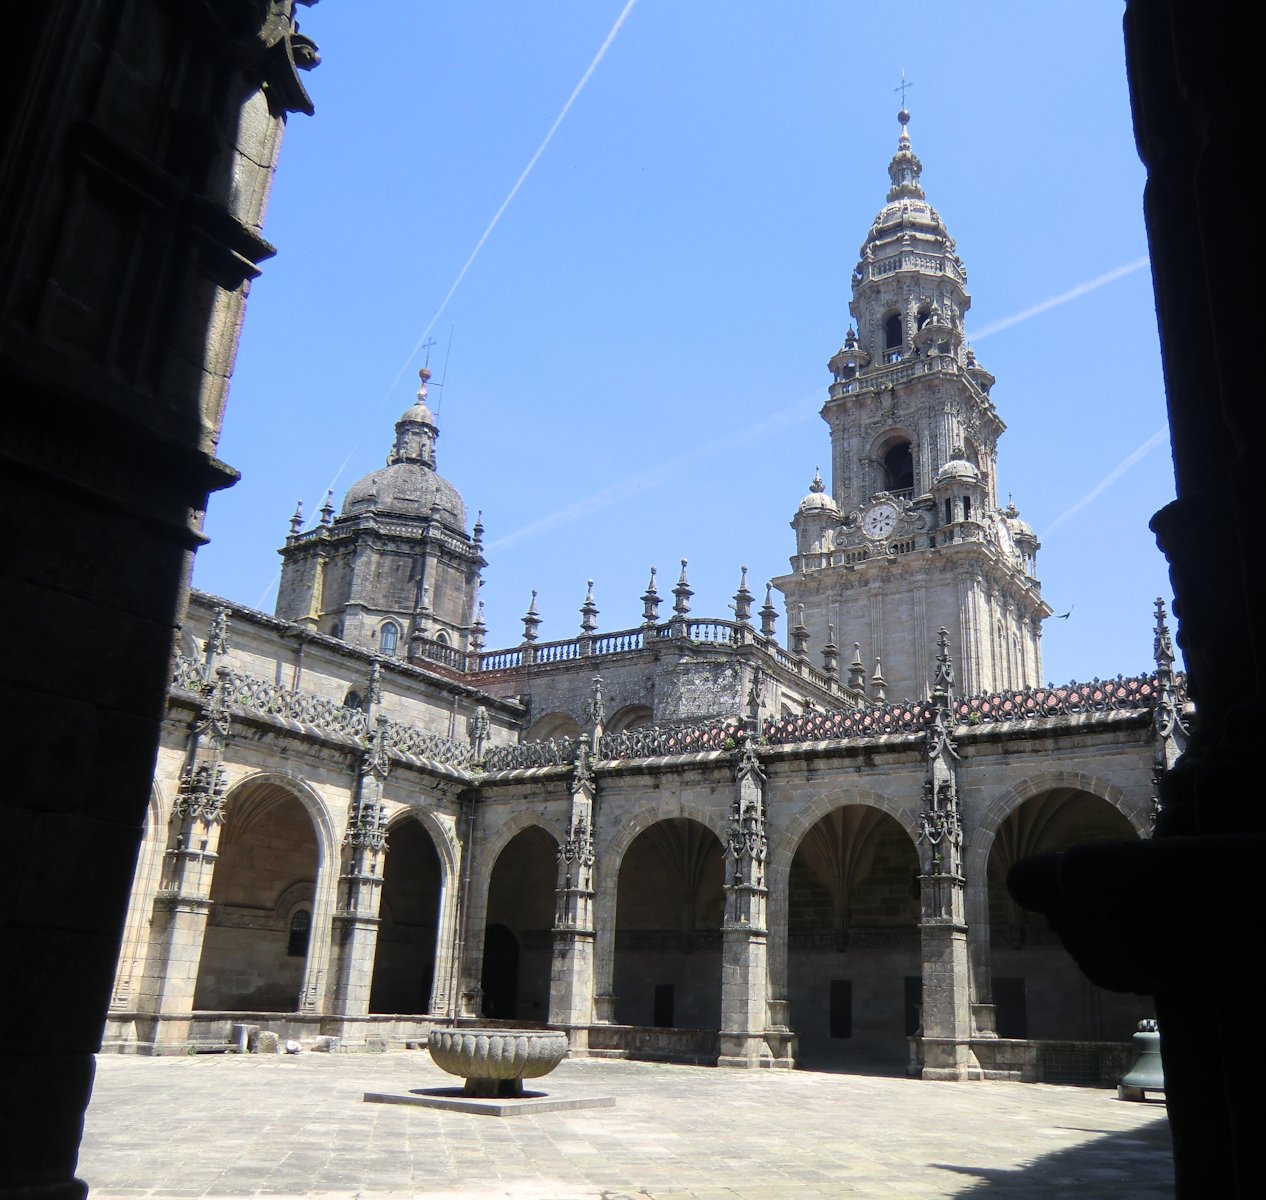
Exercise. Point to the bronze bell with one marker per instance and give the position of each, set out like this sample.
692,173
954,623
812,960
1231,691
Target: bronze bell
1147,1073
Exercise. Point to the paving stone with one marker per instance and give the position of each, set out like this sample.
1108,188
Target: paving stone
225,1128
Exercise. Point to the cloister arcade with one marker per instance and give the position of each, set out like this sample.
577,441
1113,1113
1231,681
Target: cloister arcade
777,896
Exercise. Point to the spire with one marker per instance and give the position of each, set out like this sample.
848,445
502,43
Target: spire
650,603
905,168
768,613
531,620
1163,649
856,671
878,684
943,686
416,431
327,509
800,635
296,522
830,652
477,534
478,631
743,600
817,485
588,614
683,591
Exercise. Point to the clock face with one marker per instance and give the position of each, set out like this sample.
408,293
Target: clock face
879,522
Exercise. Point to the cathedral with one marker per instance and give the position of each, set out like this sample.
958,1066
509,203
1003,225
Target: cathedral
684,840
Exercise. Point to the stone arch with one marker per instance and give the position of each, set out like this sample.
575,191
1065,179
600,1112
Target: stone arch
979,840
520,900
145,883
446,845
328,837
277,834
844,910
631,716
490,848
666,929
611,851
388,638
416,872
886,448
610,848
552,725
1017,963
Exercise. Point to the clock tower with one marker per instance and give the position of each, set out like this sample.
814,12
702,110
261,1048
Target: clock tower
910,537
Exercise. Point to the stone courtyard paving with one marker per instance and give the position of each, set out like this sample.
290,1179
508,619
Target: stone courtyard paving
228,1126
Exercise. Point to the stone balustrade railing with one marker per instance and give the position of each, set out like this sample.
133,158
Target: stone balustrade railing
271,699
655,741
704,631
265,696
420,744
554,752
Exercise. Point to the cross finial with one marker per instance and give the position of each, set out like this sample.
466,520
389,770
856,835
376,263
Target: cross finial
431,341
903,86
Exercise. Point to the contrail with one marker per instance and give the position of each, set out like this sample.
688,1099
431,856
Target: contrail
514,191
1063,298
1109,479
479,245
657,476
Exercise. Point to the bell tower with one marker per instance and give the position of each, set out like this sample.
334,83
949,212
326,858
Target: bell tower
913,538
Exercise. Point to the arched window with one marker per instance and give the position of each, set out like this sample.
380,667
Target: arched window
390,638
300,928
353,699
899,468
893,333
923,316
442,638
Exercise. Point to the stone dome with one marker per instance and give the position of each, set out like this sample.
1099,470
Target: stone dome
406,489
958,470
1021,529
409,486
819,499
418,412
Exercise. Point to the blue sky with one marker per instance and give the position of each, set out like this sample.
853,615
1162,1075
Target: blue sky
638,350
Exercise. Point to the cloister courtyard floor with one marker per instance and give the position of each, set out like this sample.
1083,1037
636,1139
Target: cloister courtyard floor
277,1125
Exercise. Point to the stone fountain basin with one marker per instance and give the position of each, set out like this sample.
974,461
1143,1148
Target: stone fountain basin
495,1062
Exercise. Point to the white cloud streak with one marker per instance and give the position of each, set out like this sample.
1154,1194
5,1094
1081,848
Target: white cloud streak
1108,480
487,233
1063,298
514,191
662,473
659,475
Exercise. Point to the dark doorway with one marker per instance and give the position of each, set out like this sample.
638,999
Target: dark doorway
1011,1018
841,1012
501,973
663,1018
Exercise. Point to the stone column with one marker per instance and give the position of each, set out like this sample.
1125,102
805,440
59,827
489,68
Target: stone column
744,966
361,869
184,898
946,1024
571,991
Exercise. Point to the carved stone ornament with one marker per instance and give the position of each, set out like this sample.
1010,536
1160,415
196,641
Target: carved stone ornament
595,708
367,827
200,795
262,34
747,842
376,760
577,847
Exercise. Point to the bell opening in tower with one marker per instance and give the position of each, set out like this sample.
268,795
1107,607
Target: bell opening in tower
899,470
